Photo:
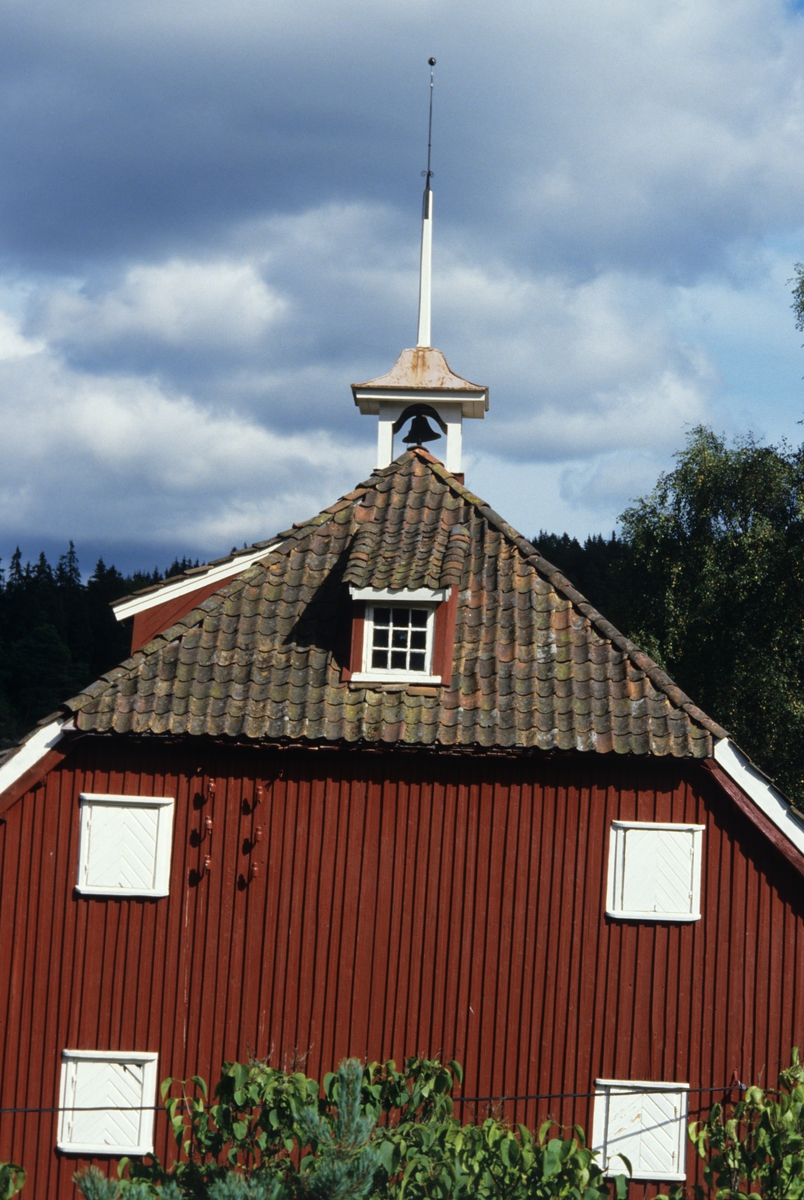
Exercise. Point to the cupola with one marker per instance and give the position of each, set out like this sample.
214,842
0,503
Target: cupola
421,384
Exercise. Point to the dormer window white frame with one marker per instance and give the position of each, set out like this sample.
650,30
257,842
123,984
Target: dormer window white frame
398,634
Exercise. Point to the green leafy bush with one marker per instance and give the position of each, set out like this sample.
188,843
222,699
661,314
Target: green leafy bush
12,1178
755,1151
370,1133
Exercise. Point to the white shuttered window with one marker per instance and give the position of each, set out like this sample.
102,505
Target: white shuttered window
654,871
644,1121
125,845
106,1102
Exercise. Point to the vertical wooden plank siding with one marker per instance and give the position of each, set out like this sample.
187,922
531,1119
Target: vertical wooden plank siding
382,905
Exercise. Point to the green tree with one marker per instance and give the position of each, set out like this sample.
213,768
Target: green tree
594,568
798,295
713,588
58,634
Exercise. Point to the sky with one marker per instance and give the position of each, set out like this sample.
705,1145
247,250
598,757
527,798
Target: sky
209,228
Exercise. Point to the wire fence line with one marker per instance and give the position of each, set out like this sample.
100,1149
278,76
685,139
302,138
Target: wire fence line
723,1087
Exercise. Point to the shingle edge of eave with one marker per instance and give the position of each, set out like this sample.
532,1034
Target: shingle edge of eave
378,744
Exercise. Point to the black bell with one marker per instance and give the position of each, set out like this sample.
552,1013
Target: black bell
420,431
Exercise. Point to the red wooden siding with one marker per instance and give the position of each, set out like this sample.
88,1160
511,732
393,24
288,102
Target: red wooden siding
403,904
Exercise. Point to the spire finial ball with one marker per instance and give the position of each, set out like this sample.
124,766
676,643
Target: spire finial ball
431,61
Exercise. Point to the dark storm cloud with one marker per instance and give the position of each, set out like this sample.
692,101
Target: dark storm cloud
584,137
124,136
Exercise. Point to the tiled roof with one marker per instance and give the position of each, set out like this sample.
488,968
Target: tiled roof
534,666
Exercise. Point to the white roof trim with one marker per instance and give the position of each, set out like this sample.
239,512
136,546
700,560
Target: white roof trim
759,788
182,587
29,754
401,595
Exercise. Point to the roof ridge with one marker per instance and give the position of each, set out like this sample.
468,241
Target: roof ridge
289,539
359,490
641,660
284,543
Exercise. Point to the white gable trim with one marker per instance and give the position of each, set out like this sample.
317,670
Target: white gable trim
31,752
759,788
182,587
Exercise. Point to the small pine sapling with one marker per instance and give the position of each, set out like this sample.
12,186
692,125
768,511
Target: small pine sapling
343,1161
94,1185
244,1187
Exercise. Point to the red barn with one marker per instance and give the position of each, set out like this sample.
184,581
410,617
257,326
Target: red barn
388,784
523,847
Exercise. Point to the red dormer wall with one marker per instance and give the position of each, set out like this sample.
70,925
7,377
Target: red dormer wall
152,621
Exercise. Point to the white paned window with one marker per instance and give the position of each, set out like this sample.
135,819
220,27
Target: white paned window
654,871
646,1122
399,639
106,1103
398,635
125,844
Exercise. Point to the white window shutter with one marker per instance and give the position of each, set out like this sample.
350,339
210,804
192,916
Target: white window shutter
654,871
125,845
107,1100
645,1122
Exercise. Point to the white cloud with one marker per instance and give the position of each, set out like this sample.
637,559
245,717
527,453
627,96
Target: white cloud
577,369
179,302
12,343
90,455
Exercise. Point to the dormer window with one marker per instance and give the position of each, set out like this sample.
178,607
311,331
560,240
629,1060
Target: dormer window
395,635
399,639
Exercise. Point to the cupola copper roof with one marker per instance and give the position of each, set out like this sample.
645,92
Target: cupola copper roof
535,667
422,368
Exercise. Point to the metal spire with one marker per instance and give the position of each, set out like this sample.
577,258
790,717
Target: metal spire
426,263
